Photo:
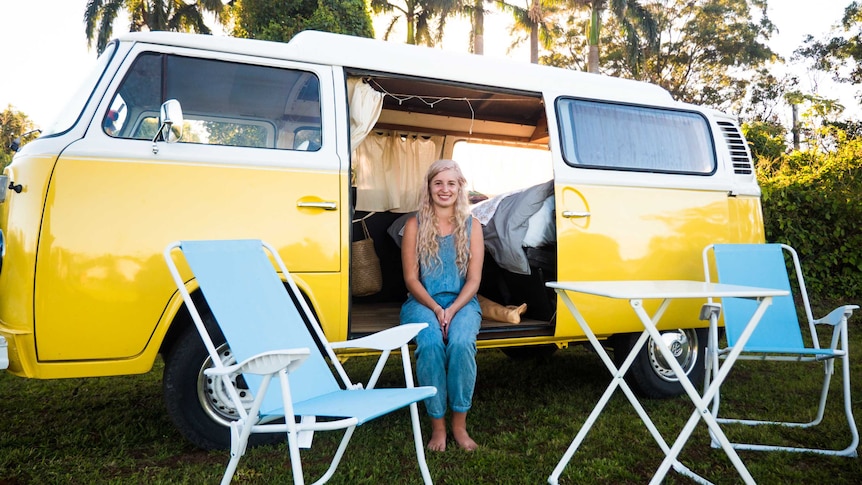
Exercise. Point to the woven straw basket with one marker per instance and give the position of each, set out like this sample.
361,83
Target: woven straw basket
366,277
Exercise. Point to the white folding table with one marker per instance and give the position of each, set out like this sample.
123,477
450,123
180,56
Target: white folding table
666,291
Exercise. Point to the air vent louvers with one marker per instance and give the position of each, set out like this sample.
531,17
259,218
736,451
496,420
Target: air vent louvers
739,154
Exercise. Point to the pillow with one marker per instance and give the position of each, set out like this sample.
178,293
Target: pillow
541,229
396,229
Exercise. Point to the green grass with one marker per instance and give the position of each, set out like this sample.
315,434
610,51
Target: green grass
525,414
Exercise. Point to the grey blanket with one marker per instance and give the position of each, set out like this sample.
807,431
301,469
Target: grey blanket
505,232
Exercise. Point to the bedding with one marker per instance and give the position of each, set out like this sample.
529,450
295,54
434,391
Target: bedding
541,228
504,233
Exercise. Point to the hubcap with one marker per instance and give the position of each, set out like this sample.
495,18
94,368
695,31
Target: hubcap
683,344
213,395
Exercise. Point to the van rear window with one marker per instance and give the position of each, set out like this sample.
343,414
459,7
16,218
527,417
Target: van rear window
634,138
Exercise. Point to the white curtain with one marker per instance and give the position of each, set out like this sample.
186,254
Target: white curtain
389,169
365,107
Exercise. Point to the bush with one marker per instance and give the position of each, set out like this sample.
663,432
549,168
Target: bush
811,201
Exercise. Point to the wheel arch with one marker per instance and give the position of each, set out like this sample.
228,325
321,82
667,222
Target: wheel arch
202,424
179,318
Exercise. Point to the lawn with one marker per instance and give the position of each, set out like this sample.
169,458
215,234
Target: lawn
525,414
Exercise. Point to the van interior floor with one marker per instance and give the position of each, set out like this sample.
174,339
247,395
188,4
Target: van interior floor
367,318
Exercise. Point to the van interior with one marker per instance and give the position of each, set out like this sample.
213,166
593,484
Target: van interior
500,140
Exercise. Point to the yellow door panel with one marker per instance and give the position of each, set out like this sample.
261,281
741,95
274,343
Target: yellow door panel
620,233
101,279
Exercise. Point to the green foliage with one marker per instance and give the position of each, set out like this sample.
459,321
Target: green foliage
702,51
13,124
417,15
234,134
766,139
534,22
811,202
840,54
706,48
170,15
280,20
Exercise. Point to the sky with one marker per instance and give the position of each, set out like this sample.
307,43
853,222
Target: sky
46,55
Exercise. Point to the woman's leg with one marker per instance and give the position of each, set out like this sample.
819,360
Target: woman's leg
461,365
438,435
430,355
430,369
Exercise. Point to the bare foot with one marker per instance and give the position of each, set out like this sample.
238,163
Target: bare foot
438,435
459,432
464,440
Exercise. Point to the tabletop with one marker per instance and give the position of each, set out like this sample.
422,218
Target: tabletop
660,289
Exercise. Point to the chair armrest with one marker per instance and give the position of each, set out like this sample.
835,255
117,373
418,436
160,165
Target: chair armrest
837,315
264,363
388,339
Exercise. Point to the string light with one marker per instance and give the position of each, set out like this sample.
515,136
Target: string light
430,101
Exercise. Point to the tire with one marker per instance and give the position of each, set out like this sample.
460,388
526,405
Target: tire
197,404
530,352
650,375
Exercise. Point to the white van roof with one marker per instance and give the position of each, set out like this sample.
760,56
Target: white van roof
390,57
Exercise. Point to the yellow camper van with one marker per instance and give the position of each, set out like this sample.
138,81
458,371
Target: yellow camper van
574,176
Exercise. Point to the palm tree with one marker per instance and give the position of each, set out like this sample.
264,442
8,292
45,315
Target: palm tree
477,26
534,18
471,9
475,11
173,15
634,19
418,15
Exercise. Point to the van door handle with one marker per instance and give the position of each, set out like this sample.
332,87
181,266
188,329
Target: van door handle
575,214
323,204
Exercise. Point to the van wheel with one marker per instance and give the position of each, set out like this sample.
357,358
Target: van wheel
197,404
529,352
650,375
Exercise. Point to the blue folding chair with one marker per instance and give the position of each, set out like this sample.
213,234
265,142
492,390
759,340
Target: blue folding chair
268,327
779,336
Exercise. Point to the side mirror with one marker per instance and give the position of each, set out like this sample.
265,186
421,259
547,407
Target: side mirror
170,123
16,143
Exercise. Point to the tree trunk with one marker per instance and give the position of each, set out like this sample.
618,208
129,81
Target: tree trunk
535,16
534,44
595,27
479,27
411,24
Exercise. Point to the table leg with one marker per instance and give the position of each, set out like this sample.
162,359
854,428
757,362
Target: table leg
616,381
701,402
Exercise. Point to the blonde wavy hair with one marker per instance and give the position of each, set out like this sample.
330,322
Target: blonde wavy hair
427,246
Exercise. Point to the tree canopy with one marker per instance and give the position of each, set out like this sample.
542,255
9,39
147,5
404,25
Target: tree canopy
418,17
171,15
704,52
13,124
840,51
280,20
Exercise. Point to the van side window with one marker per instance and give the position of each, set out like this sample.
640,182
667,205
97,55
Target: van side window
605,135
224,103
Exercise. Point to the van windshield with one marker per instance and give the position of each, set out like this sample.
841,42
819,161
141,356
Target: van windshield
67,117
635,138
